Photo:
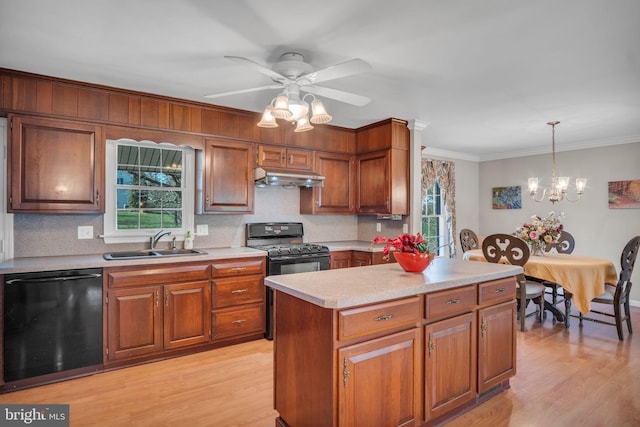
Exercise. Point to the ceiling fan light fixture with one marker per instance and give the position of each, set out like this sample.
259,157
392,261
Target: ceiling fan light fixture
298,109
267,120
280,108
319,113
303,125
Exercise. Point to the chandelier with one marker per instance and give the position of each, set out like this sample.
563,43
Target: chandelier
288,106
559,184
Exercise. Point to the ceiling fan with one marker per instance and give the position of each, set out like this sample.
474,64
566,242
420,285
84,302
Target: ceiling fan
293,75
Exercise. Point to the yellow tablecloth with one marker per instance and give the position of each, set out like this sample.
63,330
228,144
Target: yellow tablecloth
583,276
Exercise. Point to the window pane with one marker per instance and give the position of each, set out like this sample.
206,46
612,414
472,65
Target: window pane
127,155
171,177
150,156
150,177
172,199
172,159
127,219
127,199
171,219
151,199
128,175
150,219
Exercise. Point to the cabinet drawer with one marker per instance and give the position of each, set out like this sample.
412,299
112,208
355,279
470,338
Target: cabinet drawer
136,276
238,267
237,290
357,322
453,301
238,322
496,291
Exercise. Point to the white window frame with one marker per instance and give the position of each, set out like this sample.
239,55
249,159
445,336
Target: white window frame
111,233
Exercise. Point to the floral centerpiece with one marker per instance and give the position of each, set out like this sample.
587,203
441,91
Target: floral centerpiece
411,251
540,231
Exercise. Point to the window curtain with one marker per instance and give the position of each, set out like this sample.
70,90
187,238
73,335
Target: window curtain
443,172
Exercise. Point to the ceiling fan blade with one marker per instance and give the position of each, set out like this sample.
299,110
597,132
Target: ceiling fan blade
235,92
258,67
339,95
347,68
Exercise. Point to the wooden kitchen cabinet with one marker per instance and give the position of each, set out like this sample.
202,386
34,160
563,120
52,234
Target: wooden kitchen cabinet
282,157
362,258
367,399
238,298
383,168
229,176
450,348
338,194
166,308
340,259
55,166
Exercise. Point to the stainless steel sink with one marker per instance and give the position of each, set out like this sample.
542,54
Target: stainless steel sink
111,256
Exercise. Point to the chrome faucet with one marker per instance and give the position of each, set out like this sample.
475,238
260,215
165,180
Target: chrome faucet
158,236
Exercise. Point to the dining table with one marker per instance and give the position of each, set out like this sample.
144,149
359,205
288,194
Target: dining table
582,277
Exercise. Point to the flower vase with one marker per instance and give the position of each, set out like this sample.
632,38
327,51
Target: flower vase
537,248
413,263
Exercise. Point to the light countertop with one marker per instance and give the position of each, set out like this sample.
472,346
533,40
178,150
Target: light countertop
70,262
355,286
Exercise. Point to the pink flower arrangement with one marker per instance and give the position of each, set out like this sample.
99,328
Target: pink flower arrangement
403,243
540,229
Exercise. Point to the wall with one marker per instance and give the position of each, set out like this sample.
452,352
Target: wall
46,235
598,230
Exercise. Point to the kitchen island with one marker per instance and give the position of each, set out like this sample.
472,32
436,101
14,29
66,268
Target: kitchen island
378,346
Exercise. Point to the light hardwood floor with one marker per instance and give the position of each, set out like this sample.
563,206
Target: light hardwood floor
580,377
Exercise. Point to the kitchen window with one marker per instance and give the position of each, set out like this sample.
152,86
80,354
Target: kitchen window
149,187
433,219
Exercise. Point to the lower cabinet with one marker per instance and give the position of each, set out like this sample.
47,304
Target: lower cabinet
340,259
238,298
415,361
362,258
366,398
163,309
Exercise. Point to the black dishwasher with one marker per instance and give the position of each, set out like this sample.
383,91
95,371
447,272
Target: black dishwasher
52,322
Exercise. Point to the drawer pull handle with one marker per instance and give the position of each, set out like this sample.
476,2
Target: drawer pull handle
454,301
239,321
239,268
239,291
499,290
385,317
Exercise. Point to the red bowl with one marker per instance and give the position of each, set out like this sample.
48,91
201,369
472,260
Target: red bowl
413,263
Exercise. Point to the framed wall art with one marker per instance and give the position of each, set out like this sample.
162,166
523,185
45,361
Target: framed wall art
507,197
624,194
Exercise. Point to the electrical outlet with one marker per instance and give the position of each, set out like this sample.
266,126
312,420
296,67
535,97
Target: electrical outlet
202,230
378,227
405,228
85,232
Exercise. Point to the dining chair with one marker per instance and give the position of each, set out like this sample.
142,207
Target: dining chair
618,294
468,240
565,245
507,249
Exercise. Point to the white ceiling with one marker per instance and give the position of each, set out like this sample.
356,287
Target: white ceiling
485,75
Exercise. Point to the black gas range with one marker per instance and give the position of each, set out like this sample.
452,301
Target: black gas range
286,254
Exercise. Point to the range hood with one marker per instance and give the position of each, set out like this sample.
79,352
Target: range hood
287,178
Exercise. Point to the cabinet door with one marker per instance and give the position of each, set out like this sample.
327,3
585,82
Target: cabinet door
497,345
187,319
56,166
271,156
450,364
367,398
229,176
134,322
374,183
299,159
337,196
360,259
340,259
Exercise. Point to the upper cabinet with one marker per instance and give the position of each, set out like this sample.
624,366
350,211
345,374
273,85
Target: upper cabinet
55,166
338,194
383,168
228,183
281,157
